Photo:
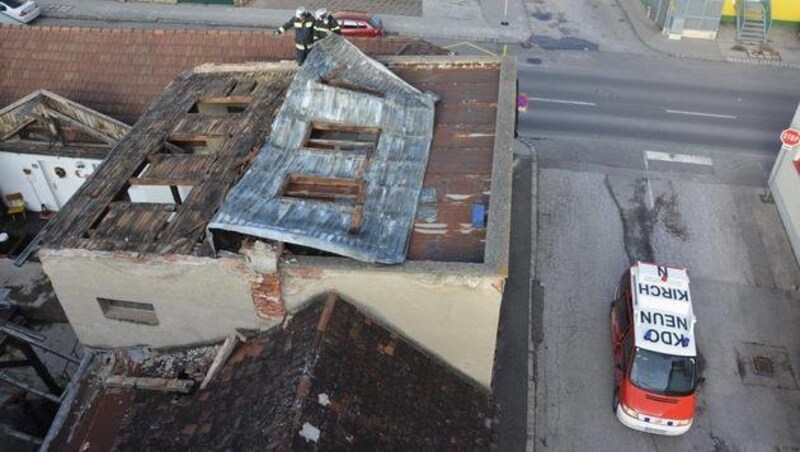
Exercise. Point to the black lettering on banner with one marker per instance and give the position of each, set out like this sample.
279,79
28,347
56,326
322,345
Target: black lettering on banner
668,293
662,273
666,337
668,320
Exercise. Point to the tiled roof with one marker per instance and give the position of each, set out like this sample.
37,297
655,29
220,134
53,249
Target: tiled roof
119,72
331,371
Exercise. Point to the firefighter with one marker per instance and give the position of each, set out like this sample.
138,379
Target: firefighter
303,25
325,24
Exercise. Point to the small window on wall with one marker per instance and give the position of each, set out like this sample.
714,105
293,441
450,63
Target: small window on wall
128,311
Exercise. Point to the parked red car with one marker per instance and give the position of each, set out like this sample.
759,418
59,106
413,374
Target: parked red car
359,23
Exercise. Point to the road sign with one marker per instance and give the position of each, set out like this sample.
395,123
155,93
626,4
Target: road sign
790,137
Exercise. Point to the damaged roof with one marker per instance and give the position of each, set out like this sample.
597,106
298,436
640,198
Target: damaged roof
342,170
47,124
332,379
162,183
468,167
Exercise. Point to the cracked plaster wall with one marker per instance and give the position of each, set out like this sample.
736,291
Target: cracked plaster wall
195,299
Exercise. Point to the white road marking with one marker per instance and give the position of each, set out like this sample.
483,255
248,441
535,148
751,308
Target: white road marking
697,113
650,201
677,158
563,101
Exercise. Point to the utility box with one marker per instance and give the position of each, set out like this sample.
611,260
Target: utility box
784,183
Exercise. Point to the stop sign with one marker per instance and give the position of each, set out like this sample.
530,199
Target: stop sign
790,137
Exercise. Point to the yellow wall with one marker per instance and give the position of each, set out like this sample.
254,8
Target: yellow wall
783,10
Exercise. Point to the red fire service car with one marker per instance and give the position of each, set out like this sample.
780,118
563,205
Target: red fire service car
652,335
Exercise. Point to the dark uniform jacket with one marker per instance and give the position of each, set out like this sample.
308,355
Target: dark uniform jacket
303,31
323,28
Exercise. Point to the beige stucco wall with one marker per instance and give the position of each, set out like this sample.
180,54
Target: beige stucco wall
195,299
449,310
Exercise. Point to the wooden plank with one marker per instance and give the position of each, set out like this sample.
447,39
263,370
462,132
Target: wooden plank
232,100
163,182
16,129
319,144
343,127
305,179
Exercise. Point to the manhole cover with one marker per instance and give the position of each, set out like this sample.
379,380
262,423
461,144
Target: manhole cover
763,366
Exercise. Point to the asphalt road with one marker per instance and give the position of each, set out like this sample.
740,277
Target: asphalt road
679,102
610,192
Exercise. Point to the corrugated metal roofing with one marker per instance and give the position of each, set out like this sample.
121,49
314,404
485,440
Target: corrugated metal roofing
339,85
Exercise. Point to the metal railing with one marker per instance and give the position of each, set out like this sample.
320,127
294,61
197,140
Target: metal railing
753,20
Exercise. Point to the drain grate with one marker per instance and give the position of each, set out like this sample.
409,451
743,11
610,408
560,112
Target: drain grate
763,366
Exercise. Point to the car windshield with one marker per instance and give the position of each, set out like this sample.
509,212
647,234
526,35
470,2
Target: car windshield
12,3
664,374
375,21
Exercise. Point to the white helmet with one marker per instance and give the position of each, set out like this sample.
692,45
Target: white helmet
321,13
300,11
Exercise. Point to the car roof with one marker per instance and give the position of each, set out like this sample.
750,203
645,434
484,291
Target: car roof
663,317
358,15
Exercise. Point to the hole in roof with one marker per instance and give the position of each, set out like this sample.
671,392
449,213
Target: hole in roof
338,137
221,105
201,145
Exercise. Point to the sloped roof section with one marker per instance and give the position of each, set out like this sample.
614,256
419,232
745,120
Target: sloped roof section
332,379
46,123
343,168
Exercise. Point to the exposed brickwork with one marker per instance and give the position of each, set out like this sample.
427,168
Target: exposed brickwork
267,297
119,72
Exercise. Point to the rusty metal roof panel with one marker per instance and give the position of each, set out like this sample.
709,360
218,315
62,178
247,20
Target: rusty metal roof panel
340,88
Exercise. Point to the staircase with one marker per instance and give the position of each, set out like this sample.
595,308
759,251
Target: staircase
753,19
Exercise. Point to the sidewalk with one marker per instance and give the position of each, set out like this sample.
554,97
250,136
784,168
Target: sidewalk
783,48
450,19
616,25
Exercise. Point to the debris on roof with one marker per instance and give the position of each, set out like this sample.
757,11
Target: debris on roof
320,382
343,167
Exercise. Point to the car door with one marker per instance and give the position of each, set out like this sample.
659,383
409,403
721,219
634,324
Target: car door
620,325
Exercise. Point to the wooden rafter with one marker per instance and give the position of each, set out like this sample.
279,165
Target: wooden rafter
16,129
83,127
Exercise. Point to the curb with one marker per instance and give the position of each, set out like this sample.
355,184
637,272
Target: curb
495,38
759,62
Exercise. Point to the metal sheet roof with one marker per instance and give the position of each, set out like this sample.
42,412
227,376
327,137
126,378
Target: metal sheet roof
339,85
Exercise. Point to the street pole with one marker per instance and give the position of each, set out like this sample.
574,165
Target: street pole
504,22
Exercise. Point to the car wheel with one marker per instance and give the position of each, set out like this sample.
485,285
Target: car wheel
615,400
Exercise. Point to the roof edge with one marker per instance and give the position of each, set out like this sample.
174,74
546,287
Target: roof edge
498,233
